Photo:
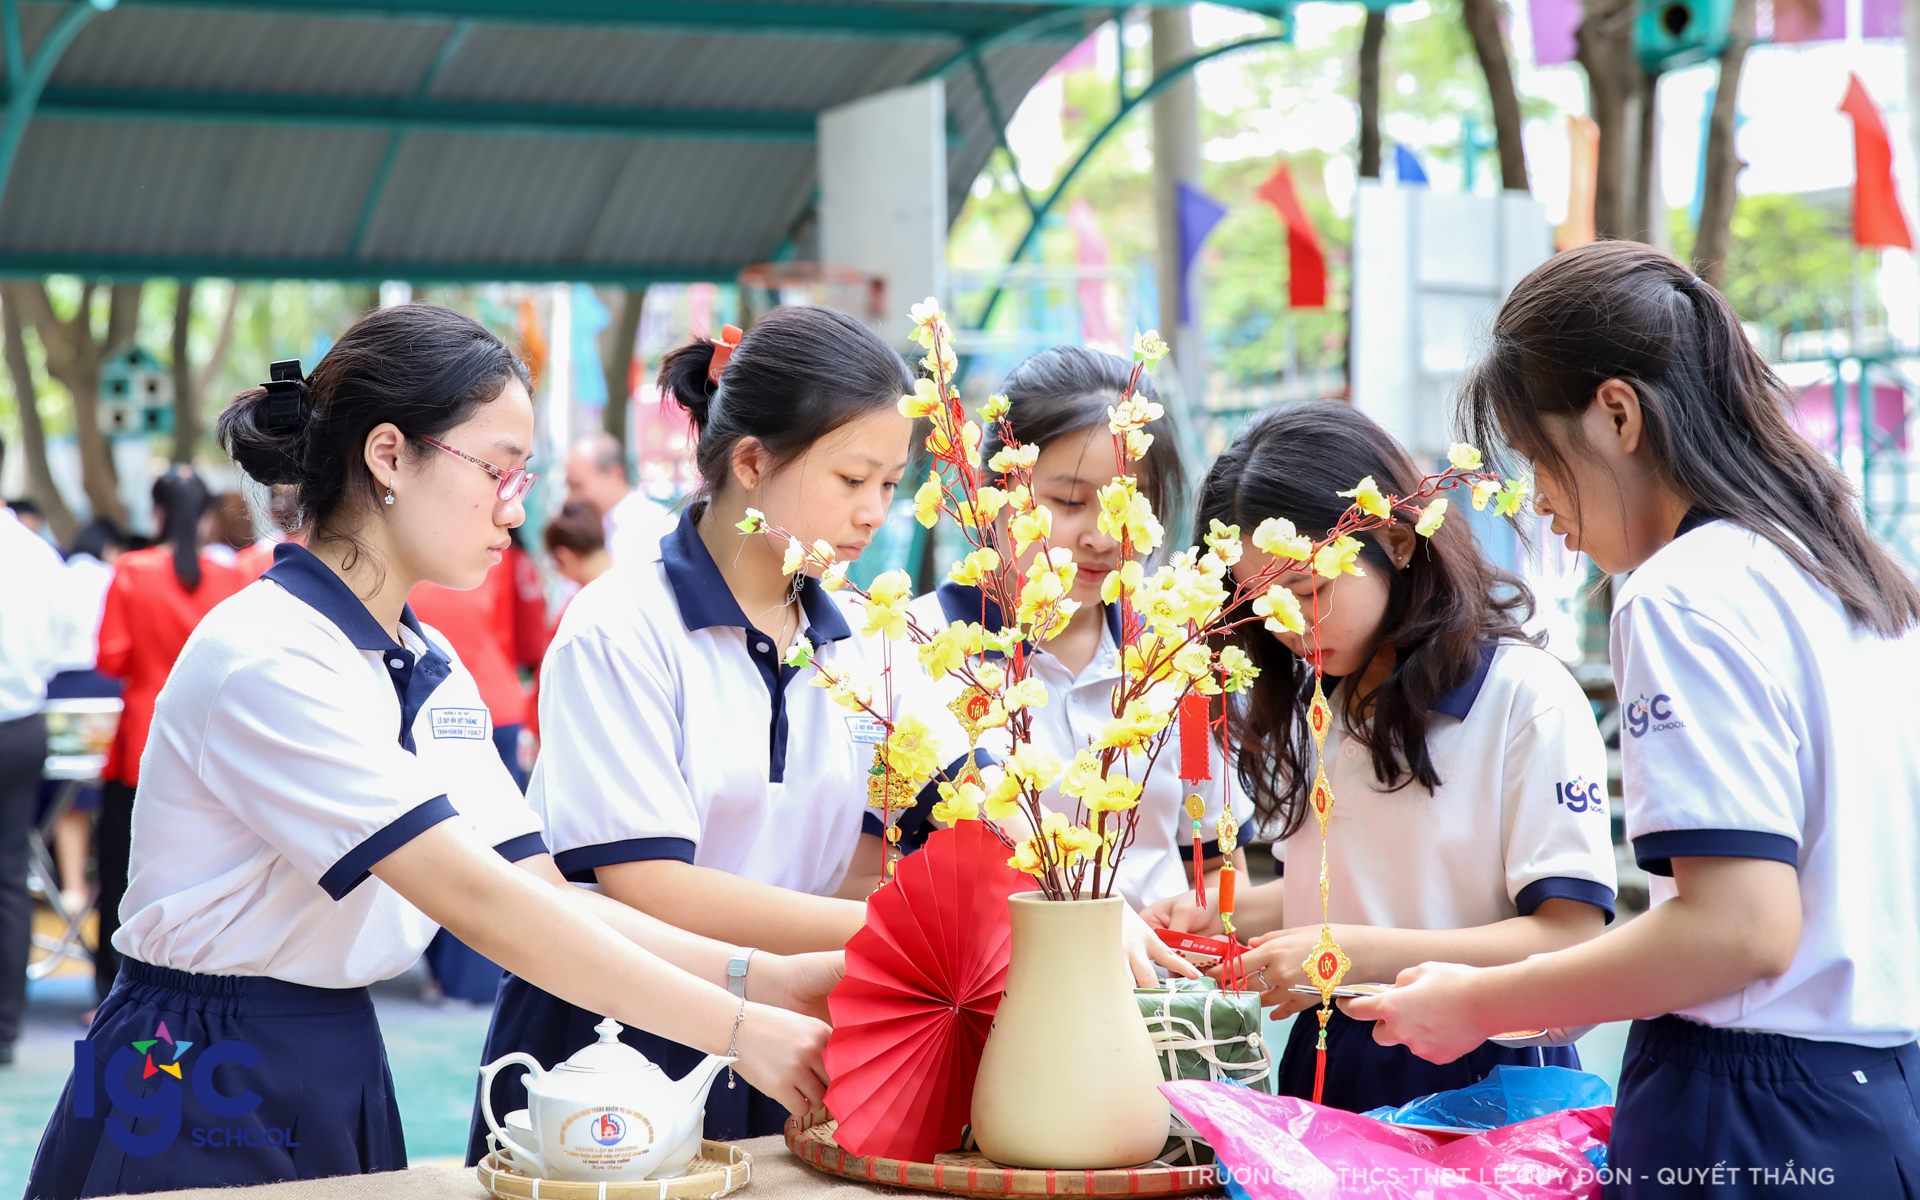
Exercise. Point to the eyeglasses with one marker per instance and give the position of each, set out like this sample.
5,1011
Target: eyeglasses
513,484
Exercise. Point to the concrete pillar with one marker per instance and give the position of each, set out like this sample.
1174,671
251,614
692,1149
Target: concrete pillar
1176,159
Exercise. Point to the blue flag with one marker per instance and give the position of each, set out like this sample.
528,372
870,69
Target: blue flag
1407,167
1197,213
589,318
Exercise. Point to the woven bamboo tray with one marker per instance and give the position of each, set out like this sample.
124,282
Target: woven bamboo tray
719,1170
810,1137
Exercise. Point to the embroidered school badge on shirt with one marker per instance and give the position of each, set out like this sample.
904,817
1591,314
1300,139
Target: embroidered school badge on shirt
466,723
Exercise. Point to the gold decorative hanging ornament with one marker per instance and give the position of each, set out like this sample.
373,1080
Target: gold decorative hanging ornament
1322,799
971,707
887,789
1319,714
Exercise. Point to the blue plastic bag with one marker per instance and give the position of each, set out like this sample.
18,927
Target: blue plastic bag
1507,1096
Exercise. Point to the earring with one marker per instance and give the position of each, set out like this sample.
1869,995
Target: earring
389,499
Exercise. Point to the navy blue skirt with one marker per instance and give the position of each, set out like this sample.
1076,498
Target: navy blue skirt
216,1080
1363,1074
1724,1113
534,1022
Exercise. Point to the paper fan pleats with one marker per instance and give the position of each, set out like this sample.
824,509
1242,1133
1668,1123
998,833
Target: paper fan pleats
924,977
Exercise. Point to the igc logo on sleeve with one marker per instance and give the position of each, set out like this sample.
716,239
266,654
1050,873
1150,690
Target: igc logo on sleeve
1581,796
163,1058
1646,715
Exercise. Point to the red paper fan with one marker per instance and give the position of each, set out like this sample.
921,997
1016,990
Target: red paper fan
924,977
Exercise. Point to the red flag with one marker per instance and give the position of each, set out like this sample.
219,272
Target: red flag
1307,263
1877,220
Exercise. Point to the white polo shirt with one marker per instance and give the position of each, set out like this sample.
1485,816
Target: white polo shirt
1159,863
634,527
1759,723
672,730
33,627
294,746
1520,816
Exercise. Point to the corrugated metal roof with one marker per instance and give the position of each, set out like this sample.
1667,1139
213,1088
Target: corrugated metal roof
595,139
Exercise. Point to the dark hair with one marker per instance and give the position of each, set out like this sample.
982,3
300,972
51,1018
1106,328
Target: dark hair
578,528
421,367
1715,413
96,537
799,374
184,498
1442,608
1068,389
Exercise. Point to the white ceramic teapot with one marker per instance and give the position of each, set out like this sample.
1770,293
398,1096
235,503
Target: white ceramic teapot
607,1113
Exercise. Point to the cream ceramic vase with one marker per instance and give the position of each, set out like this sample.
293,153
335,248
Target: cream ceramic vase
1068,1079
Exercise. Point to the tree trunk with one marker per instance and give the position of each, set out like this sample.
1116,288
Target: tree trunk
186,403
1604,44
222,343
1717,194
1372,34
1644,216
33,435
618,360
74,356
1483,24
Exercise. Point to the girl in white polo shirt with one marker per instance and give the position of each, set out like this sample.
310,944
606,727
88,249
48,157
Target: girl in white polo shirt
319,788
1766,656
1058,404
1469,779
686,770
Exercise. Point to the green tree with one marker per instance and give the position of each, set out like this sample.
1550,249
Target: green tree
1790,261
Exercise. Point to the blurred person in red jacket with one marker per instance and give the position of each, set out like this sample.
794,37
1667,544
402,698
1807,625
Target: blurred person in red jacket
156,598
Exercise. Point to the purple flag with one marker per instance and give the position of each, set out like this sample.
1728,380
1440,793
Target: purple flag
1553,24
1196,213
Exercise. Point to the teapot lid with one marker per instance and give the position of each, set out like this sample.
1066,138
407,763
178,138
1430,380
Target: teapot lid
609,1055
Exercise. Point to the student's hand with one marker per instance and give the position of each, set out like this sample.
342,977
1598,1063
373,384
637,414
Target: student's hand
798,982
1275,964
1181,914
1144,949
781,1053
1430,1012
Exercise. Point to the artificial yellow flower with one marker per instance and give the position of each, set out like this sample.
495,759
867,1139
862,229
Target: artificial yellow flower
1138,442
1135,727
847,693
755,522
941,361
1193,660
989,676
1115,793
1463,456
939,656
1075,841
997,406
1126,579
1340,556
1431,517
1276,536
911,749
982,509
1020,499
1508,503
1132,413
1125,514
795,555
834,577
1224,540
1148,348
926,501
1367,497
1028,693
1239,668
976,567
1014,458
1082,772
940,441
958,802
923,401
929,323
1030,527
1484,491
886,605
1002,800
1281,608
1033,767
800,654
891,586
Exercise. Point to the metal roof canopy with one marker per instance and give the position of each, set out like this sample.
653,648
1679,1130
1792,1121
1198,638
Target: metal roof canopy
606,141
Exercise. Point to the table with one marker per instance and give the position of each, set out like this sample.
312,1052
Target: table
777,1175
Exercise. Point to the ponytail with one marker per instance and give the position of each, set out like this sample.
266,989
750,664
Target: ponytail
182,496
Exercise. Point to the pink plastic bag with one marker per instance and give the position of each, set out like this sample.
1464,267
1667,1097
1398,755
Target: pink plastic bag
1281,1148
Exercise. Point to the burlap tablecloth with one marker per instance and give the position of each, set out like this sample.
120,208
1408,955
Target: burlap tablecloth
777,1175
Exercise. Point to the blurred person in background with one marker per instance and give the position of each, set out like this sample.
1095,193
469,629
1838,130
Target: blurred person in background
577,541
157,597
597,475
30,635
88,575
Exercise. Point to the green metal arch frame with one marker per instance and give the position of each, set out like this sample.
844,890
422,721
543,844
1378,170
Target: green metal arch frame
24,95
1160,82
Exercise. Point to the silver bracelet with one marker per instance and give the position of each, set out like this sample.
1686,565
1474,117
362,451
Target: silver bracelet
733,1043
737,971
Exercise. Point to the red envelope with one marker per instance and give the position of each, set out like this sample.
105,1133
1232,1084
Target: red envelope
924,978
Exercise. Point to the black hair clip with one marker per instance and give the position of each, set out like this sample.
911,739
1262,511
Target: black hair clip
286,397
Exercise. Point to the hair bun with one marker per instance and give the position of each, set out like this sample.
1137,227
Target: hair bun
683,374
269,453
